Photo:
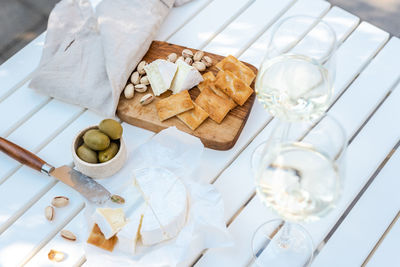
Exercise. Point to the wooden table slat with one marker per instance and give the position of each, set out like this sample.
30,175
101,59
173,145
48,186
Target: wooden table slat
369,218
38,130
208,22
15,71
252,21
387,254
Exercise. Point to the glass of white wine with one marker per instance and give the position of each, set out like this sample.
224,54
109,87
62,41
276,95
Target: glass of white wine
295,79
299,175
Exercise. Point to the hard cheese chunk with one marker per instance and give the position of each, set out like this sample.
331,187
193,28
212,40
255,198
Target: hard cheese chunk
233,87
165,215
160,74
240,70
186,77
194,117
109,220
173,105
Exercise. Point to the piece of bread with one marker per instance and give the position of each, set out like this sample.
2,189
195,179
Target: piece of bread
97,239
216,106
194,117
233,87
174,105
239,69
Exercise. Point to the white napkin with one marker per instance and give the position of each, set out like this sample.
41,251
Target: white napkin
180,153
90,53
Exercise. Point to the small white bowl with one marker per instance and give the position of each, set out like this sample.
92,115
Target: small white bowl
98,170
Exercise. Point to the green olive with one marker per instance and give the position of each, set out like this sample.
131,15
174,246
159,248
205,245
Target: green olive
96,140
109,153
86,154
111,128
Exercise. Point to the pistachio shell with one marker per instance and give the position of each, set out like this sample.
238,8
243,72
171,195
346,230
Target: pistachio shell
56,256
60,201
49,213
141,88
68,235
207,61
135,78
187,53
129,91
140,67
117,199
146,99
200,66
198,55
172,57
189,60
144,80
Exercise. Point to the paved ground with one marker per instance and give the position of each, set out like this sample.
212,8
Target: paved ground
22,20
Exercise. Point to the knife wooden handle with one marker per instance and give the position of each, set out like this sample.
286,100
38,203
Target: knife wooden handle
22,155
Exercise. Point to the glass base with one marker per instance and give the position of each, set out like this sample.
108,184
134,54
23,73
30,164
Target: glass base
282,244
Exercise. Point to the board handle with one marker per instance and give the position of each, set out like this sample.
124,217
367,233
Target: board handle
24,156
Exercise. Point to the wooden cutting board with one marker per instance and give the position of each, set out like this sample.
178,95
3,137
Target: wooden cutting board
213,135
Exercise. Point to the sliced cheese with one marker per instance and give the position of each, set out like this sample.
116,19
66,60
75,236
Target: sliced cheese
160,74
166,198
186,77
109,220
130,234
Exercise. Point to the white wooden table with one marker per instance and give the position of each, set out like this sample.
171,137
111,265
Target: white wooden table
363,230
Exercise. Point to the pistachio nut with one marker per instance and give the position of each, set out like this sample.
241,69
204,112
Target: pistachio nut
49,213
198,55
60,201
68,235
55,255
135,78
129,91
141,88
187,53
200,66
147,99
140,67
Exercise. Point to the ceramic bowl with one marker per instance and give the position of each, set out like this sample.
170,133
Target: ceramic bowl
98,170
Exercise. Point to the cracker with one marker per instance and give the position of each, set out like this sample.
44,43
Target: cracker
96,238
174,105
218,92
194,117
233,87
216,106
207,78
239,69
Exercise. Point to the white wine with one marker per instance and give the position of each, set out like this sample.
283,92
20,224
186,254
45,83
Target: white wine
298,182
294,87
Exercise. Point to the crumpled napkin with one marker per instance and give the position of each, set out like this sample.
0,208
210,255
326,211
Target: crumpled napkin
205,227
89,53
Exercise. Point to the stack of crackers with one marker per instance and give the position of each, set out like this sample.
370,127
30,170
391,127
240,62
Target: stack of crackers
219,95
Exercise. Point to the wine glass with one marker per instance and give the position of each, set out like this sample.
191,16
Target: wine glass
299,175
295,79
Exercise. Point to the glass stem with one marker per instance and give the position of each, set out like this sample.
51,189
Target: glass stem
284,237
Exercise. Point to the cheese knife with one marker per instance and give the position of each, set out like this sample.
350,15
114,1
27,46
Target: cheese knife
85,185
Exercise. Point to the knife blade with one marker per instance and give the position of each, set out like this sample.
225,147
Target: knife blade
85,185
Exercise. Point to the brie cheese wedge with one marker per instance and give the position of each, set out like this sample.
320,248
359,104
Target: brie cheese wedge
186,77
109,220
130,234
165,215
160,74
